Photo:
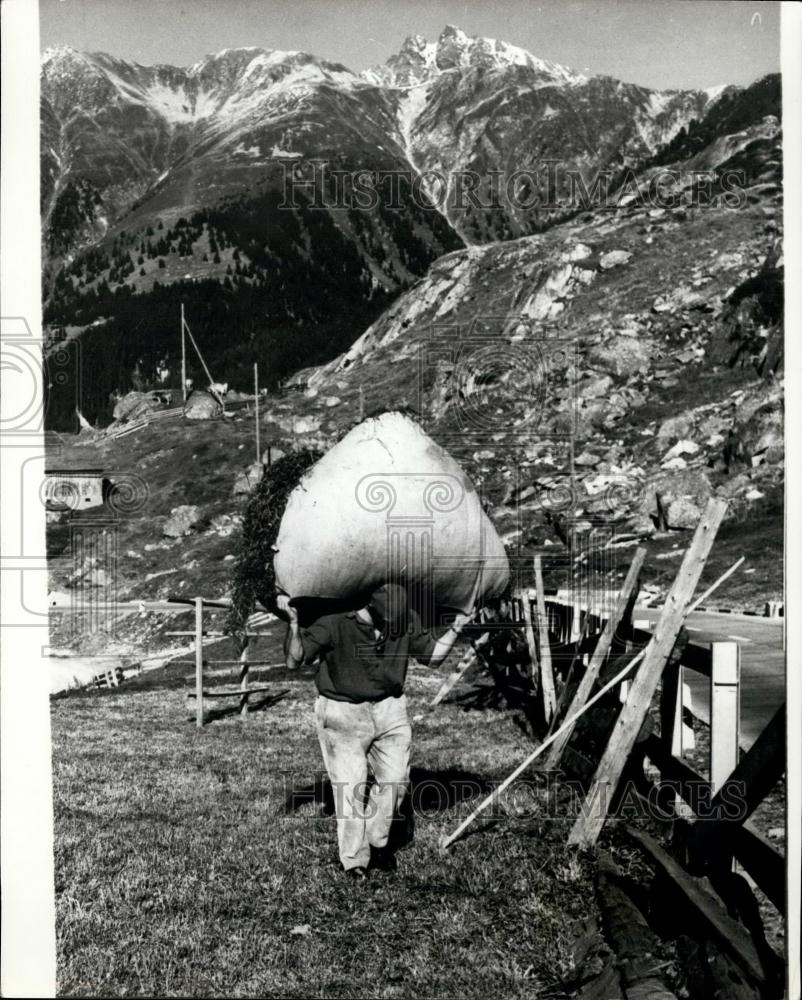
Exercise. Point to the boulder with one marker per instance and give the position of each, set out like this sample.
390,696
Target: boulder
300,425
683,514
614,258
181,521
675,428
621,355
579,251
678,497
202,405
134,405
592,387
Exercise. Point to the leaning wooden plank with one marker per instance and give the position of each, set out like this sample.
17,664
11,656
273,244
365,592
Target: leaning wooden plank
727,932
546,672
599,656
589,823
499,790
763,862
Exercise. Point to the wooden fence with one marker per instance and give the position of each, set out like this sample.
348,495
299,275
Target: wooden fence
761,765
242,665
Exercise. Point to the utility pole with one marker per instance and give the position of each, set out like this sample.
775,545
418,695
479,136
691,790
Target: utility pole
183,358
256,402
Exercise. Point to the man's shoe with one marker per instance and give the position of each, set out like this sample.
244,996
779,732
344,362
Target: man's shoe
359,874
382,859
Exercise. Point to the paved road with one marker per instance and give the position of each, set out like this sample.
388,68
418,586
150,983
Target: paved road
762,664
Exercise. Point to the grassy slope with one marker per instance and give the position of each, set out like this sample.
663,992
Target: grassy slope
179,871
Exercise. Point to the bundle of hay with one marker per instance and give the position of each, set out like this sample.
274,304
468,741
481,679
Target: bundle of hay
254,579
387,502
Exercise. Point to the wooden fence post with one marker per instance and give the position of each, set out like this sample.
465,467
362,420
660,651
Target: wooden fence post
641,625
591,819
244,669
199,662
724,712
530,637
546,672
603,645
671,710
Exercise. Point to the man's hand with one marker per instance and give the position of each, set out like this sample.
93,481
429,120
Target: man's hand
286,610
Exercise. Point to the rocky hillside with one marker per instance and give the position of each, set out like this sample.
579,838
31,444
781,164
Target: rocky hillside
609,375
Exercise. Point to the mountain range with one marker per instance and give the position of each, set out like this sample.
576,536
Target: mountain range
162,184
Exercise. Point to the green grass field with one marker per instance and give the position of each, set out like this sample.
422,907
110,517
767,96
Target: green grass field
181,871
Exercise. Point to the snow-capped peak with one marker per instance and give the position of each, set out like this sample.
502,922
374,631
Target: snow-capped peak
230,83
419,60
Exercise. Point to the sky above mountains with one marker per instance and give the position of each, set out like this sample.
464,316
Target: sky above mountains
656,43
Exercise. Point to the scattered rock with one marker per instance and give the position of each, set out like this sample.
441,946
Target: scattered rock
580,251
181,521
593,387
300,425
614,258
620,355
683,447
732,487
675,428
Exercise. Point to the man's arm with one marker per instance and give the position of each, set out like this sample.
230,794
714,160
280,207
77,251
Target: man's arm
293,647
302,647
444,644
439,650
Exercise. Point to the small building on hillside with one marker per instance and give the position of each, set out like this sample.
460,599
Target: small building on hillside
75,489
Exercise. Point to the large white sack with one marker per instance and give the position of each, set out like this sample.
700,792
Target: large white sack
387,501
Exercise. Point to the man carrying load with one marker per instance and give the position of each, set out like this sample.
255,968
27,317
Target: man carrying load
361,711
